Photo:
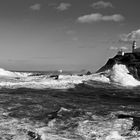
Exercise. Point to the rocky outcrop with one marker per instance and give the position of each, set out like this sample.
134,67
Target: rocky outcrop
131,60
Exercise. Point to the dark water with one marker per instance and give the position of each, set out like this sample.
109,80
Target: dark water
101,111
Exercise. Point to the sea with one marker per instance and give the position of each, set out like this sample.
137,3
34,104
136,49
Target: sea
99,106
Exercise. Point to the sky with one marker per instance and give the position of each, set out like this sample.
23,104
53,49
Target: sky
65,34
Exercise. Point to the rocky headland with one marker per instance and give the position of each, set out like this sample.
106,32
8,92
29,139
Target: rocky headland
130,60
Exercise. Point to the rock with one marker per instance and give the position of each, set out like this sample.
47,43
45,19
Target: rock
131,60
88,73
34,136
56,77
80,74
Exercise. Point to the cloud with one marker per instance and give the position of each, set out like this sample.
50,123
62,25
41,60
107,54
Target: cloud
119,48
127,38
35,7
101,4
95,17
113,48
124,47
63,6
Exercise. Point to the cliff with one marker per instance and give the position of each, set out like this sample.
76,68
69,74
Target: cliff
131,60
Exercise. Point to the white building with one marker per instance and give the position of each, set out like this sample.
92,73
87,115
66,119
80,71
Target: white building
120,52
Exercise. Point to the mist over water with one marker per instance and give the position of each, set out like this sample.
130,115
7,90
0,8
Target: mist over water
97,106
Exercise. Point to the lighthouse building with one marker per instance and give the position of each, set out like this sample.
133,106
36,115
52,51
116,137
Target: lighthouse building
120,53
135,49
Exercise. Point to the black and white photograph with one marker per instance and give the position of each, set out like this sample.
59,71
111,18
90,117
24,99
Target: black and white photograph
69,69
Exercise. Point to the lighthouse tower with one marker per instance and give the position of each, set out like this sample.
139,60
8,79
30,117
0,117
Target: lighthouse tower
134,45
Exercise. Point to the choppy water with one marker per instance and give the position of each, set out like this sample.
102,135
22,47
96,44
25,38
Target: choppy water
70,108
82,113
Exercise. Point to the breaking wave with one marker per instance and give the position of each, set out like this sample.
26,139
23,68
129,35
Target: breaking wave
118,75
5,73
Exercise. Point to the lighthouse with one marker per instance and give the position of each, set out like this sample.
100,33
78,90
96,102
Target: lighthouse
134,45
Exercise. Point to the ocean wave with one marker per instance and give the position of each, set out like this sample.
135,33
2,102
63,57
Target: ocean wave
118,75
6,73
70,124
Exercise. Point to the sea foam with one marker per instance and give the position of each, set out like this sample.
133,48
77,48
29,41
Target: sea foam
118,74
7,73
